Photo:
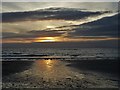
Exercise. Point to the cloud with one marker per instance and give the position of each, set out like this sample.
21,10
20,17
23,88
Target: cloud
48,14
32,34
107,26
8,34
67,23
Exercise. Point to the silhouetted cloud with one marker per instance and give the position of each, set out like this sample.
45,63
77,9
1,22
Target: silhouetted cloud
107,26
32,34
48,14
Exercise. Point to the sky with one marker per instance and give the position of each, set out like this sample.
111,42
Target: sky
27,6
60,0
30,22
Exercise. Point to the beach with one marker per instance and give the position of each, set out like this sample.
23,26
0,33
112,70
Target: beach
60,74
60,45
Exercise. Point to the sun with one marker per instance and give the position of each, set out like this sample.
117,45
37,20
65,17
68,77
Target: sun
46,39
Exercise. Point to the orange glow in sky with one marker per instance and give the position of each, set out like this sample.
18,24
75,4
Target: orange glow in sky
47,39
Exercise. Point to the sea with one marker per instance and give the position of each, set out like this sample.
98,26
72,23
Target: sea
28,54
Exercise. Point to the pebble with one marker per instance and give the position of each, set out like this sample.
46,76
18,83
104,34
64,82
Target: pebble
68,77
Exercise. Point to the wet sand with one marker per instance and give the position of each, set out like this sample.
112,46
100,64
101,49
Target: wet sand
60,74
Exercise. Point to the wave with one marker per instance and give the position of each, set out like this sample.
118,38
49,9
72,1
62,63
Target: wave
59,54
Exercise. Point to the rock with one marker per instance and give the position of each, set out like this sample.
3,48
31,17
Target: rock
31,83
68,78
44,81
13,84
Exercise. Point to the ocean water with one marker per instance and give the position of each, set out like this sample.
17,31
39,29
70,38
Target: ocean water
58,53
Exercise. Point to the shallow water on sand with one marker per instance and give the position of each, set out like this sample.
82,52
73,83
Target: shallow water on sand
51,69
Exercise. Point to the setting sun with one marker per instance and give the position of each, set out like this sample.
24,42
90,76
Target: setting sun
47,39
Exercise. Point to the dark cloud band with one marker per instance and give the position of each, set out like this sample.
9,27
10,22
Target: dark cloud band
48,14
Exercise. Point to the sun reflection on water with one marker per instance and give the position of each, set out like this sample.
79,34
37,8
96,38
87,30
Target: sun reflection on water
48,62
52,69
45,64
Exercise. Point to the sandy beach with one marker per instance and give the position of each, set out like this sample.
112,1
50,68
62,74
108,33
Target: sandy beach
69,45
60,74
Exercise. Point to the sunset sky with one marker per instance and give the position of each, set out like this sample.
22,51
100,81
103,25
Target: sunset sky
28,22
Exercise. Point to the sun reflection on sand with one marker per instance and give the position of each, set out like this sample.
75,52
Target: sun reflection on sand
45,63
48,62
52,69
